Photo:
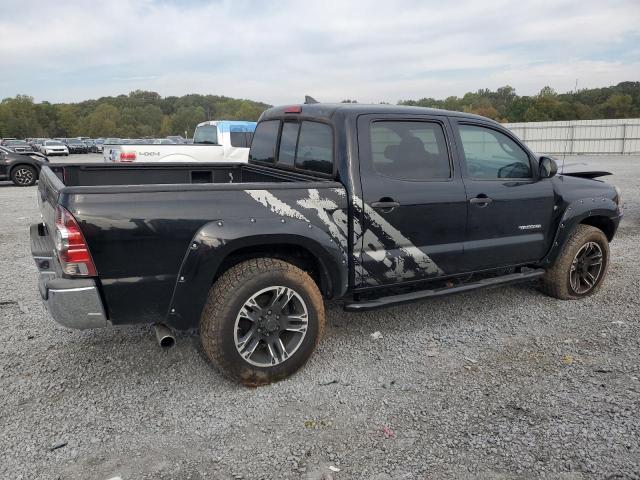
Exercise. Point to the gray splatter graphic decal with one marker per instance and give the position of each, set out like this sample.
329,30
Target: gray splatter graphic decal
274,204
381,253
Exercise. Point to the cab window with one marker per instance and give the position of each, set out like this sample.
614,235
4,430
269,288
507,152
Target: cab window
206,134
288,143
265,138
315,148
492,155
410,150
241,139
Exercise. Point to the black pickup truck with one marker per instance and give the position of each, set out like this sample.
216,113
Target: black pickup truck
371,205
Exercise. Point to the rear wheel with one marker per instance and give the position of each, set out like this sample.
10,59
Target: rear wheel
24,175
581,267
262,320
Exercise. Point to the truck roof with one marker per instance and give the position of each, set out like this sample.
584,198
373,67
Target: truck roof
328,110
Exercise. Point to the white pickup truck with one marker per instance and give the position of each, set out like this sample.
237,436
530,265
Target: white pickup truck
213,141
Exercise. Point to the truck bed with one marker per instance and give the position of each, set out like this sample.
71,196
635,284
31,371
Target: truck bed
139,220
83,175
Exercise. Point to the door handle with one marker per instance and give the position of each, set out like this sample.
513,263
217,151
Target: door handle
481,200
385,205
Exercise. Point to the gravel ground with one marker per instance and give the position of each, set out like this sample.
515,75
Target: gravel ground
503,383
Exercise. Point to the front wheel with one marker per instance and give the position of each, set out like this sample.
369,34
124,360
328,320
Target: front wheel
24,175
581,267
262,320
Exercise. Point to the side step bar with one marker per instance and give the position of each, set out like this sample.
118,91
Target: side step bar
393,300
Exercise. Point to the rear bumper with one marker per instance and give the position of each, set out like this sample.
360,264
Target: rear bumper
72,302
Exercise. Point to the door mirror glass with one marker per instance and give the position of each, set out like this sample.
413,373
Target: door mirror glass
548,167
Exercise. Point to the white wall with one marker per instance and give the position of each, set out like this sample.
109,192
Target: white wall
580,136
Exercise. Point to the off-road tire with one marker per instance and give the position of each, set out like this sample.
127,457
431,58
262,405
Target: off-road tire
556,282
226,298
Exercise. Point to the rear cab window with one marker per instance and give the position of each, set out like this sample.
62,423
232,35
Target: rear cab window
206,134
301,145
265,139
315,148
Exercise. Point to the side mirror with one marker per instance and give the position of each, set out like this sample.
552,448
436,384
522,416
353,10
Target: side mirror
548,167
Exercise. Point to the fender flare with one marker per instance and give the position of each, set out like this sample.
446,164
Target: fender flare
575,213
216,240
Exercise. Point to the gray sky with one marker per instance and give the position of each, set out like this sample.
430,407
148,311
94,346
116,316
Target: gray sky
278,51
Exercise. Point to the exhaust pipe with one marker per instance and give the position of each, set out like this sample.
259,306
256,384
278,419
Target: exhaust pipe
164,336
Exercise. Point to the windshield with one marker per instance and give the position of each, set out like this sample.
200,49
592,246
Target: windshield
53,144
207,134
16,142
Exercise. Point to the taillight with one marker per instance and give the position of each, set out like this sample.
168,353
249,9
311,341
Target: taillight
293,109
127,156
71,246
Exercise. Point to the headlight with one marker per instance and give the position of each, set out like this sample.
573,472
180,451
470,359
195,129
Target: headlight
618,197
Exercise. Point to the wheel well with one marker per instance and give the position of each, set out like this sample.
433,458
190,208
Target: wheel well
17,165
294,254
603,223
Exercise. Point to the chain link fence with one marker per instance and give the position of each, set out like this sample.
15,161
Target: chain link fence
589,137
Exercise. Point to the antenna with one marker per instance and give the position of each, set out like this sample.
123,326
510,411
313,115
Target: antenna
566,138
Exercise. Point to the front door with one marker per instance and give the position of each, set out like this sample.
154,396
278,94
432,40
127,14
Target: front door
510,210
414,208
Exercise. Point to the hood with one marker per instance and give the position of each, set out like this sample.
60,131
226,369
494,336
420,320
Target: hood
582,170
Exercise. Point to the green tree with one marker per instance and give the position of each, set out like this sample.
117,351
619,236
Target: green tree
186,119
67,121
103,121
616,106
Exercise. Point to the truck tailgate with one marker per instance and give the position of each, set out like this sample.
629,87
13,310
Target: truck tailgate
49,186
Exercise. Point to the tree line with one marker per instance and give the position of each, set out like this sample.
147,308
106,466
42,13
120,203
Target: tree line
139,114
142,113
504,105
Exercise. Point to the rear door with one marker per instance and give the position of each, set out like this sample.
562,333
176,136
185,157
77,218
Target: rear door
510,208
414,203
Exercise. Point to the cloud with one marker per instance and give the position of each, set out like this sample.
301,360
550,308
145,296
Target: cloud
278,51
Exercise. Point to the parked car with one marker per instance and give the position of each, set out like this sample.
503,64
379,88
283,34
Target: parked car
54,147
18,146
21,168
216,141
89,143
76,146
37,144
98,145
370,205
